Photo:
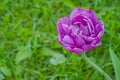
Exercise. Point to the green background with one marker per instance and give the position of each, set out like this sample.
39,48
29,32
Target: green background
29,43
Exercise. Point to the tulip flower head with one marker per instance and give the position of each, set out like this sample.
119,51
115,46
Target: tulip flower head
81,32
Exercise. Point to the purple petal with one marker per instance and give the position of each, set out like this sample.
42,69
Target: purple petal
90,24
74,29
84,30
84,23
63,25
59,38
65,20
67,40
78,20
89,47
88,39
79,41
94,42
88,13
92,14
75,50
76,12
98,44
99,27
99,36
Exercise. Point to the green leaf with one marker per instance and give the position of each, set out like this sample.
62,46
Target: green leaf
6,71
47,52
24,52
116,64
1,76
57,59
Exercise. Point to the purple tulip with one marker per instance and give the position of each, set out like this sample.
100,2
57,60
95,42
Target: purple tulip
81,32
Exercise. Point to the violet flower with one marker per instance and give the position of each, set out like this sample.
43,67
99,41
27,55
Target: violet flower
81,32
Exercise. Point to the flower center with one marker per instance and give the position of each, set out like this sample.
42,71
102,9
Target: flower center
83,24
82,29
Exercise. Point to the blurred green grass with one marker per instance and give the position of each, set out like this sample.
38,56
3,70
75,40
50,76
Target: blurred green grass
28,30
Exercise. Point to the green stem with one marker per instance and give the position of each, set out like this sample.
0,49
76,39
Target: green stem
96,67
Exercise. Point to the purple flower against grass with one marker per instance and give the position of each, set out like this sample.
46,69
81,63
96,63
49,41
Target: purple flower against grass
81,32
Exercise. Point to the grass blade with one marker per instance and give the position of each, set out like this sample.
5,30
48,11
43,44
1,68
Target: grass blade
116,64
96,67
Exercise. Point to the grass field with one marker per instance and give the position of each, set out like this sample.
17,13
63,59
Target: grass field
29,48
